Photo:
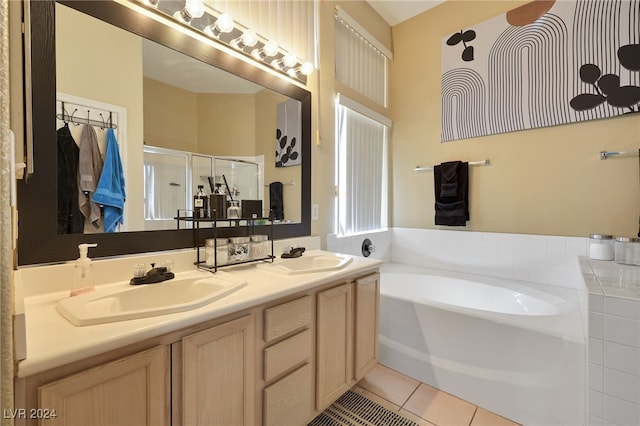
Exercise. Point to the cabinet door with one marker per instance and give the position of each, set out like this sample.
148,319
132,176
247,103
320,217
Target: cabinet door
367,297
334,344
218,374
131,390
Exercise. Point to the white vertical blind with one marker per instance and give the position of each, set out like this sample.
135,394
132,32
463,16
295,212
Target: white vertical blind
362,172
291,23
360,65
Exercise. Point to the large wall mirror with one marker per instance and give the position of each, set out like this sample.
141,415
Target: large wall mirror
184,114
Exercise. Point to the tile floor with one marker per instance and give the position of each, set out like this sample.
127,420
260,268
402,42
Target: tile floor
422,403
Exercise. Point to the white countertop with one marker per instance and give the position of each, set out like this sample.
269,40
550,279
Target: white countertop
52,341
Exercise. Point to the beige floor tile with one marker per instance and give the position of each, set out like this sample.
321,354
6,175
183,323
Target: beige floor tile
439,407
419,420
375,398
487,418
389,384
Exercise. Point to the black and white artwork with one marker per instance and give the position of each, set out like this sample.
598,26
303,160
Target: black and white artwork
288,134
543,64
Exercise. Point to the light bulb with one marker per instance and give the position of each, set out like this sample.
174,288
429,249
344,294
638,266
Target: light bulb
248,39
192,9
290,60
271,48
224,24
306,68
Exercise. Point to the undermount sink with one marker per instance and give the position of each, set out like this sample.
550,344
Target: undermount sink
177,295
309,264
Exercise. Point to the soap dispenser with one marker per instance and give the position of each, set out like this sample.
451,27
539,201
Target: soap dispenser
82,278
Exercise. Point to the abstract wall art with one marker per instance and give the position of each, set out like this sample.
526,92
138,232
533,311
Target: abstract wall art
288,134
543,64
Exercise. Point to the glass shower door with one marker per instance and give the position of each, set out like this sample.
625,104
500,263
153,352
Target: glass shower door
165,187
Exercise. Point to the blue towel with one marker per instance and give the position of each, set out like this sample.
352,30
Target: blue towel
110,191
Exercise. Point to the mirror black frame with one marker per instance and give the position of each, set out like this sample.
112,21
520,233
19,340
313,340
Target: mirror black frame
38,241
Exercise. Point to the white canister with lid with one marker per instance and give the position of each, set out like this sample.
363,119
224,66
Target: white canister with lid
601,247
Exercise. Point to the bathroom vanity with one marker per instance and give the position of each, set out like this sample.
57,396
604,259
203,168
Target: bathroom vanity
276,352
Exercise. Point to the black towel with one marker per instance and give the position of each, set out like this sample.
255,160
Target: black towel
70,219
451,188
276,202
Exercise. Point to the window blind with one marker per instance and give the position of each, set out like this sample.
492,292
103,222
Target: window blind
361,158
360,64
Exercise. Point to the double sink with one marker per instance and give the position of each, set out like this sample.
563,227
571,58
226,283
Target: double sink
179,294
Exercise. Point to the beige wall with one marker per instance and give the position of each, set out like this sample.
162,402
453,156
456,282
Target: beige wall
170,116
543,181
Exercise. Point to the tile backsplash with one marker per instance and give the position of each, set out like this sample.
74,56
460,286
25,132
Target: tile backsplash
353,244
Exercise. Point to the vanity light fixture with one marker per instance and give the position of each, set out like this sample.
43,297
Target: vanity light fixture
270,49
249,38
192,9
224,24
231,34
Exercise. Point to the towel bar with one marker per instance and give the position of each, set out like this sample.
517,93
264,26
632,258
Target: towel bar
606,154
471,163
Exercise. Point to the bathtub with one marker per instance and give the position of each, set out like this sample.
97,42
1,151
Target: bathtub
513,348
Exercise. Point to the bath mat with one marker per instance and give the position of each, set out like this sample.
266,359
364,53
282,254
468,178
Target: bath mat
352,409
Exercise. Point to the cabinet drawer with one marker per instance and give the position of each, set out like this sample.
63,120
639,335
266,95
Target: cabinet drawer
286,318
285,355
288,401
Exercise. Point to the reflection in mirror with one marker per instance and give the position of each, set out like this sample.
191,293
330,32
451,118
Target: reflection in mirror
95,59
198,112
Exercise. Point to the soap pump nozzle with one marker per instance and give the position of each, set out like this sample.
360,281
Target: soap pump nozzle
83,278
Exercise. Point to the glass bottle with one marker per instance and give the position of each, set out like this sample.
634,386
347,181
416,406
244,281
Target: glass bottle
234,212
200,204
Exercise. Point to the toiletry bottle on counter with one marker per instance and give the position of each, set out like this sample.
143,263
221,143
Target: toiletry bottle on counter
82,275
200,204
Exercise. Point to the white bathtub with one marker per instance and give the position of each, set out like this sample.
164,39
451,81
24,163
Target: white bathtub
514,348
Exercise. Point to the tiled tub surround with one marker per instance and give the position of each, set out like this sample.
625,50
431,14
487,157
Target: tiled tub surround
352,244
614,342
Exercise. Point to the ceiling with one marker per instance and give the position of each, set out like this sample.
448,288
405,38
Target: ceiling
396,11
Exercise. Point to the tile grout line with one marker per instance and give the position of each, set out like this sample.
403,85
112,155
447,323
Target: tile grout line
474,415
408,398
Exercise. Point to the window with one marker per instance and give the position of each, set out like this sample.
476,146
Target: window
361,159
361,133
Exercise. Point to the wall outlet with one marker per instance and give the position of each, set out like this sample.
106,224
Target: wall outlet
315,211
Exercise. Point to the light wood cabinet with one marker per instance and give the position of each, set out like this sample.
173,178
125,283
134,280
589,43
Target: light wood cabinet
366,324
131,390
218,374
334,344
347,336
312,347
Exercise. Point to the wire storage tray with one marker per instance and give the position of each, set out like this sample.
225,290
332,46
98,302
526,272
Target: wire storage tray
244,226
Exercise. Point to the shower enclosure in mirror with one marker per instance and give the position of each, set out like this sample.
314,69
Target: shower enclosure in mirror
172,177
176,94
